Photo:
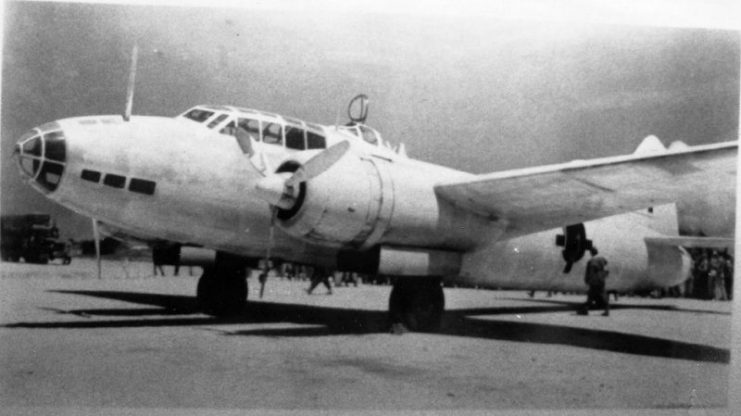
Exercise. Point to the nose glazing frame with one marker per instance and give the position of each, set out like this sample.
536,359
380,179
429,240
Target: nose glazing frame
41,155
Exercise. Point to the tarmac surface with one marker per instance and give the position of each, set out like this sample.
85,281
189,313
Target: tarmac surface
133,341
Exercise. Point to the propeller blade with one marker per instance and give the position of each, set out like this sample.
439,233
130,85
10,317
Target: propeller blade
280,190
319,163
130,87
272,189
96,238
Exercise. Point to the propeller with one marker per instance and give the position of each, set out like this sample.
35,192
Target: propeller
96,238
280,189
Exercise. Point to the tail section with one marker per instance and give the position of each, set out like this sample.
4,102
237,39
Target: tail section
653,145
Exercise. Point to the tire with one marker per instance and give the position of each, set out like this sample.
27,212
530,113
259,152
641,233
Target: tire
222,293
417,304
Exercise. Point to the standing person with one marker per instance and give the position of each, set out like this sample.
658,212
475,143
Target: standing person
175,253
158,260
594,277
703,269
319,275
717,277
728,272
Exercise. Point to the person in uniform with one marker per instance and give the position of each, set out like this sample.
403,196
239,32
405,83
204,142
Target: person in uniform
594,277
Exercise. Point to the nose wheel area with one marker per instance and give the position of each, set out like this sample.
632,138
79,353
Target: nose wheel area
417,304
222,291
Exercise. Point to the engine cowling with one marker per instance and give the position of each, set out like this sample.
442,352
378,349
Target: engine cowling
349,204
353,199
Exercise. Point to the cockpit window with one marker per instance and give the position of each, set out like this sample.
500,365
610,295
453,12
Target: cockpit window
364,132
369,135
315,141
217,120
51,174
244,125
272,133
199,115
55,149
295,137
32,147
250,126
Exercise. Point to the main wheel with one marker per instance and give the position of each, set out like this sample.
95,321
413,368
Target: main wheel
222,293
417,304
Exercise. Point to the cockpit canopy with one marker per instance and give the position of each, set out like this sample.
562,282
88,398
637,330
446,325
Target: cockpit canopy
364,132
245,124
270,128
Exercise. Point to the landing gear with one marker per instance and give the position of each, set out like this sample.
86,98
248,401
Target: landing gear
417,304
222,289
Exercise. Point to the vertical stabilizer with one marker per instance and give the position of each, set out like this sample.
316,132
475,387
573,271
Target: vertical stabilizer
650,145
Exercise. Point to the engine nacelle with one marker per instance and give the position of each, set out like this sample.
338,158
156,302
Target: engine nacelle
350,204
357,200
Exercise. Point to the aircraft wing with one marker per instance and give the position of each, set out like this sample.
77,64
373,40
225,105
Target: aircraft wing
541,198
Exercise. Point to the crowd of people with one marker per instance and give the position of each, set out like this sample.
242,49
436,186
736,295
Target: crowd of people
712,276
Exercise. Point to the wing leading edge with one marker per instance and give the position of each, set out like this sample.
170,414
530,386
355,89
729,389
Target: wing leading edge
545,197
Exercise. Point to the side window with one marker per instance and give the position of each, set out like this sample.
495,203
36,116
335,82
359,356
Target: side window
272,133
114,181
316,141
90,175
295,138
142,186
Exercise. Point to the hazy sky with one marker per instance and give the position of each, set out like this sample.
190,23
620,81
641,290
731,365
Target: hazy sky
470,92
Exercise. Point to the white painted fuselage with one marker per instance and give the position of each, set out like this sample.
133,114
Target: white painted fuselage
200,189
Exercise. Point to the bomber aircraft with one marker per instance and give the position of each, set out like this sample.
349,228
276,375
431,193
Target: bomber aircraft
247,185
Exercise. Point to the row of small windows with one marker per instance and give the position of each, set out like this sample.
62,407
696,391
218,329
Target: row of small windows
137,185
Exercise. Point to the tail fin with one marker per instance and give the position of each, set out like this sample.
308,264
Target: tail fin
649,145
652,144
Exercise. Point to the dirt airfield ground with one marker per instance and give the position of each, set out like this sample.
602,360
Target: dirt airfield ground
134,341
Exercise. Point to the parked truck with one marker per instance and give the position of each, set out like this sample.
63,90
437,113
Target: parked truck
33,238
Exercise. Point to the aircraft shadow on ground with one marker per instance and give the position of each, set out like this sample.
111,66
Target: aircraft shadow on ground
174,310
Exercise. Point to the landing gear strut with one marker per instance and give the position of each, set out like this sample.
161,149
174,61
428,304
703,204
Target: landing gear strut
222,289
417,304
